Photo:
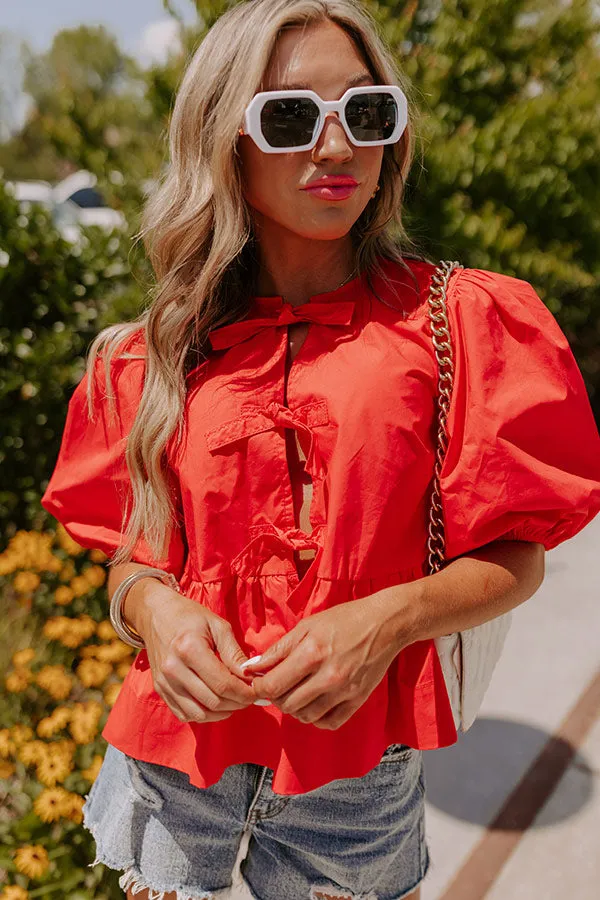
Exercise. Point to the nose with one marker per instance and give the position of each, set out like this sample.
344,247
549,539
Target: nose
333,141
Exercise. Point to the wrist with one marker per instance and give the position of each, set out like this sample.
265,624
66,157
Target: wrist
139,602
399,609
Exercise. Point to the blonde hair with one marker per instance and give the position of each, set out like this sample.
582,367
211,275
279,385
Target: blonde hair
198,233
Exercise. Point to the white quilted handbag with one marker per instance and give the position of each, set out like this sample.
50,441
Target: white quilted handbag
468,658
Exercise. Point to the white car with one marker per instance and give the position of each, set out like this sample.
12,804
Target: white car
73,202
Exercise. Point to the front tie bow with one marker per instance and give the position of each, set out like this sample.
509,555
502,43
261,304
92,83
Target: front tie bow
329,313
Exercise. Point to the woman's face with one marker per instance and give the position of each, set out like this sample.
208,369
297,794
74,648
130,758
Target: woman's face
323,58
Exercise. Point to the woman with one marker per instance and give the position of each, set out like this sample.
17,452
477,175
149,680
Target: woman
275,422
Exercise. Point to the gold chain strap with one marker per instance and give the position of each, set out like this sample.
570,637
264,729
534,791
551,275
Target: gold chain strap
442,344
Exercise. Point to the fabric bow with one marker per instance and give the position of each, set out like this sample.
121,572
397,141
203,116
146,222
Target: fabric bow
328,313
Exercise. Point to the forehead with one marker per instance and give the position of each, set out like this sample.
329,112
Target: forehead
322,57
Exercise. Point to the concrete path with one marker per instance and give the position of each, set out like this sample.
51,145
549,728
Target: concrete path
513,809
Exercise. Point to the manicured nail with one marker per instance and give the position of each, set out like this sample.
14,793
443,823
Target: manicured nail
250,662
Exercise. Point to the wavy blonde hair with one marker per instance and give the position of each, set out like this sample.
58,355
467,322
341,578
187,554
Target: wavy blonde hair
197,231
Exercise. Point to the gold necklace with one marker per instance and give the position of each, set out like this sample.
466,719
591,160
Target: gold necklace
351,275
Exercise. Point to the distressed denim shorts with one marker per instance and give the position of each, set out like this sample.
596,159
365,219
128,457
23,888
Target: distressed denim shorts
351,839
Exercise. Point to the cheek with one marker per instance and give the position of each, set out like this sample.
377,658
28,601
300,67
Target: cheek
269,180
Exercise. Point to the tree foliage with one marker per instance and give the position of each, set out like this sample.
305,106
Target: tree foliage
507,179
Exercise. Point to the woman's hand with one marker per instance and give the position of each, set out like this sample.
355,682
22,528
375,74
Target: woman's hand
181,638
324,669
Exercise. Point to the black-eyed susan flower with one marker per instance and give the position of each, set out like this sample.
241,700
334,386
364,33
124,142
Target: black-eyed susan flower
53,769
31,752
74,808
52,804
32,860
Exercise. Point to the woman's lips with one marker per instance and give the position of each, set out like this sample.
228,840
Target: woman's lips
332,192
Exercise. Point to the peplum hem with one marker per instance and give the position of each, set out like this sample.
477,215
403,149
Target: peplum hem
409,706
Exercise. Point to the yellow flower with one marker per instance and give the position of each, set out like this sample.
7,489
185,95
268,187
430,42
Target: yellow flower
14,892
23,657
54,768
64,748
52,804
84,721
56,721
105,631
32,752
7,743
56,681
80,585
63,595
32,860
53,564
74,808
18,680
26,582
6,769
93,673
91,773
21,733
111,693
97,556
114,652
122,669
95,576
70,632
68,571
67,543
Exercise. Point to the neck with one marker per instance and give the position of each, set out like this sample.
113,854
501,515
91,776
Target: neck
300,269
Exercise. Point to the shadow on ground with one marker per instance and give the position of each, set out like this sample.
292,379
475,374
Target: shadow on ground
472,779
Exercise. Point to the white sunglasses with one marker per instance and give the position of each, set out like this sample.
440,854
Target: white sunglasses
288,121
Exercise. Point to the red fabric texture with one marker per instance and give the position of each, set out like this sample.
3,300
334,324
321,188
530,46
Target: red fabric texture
523,463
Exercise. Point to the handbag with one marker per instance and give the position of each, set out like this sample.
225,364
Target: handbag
468,658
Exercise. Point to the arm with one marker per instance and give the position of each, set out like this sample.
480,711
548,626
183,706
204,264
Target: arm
469,591
136,598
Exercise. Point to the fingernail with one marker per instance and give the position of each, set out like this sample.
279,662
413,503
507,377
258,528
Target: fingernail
250,662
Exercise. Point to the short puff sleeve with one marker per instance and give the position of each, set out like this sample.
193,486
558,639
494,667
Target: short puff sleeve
90,483
523,452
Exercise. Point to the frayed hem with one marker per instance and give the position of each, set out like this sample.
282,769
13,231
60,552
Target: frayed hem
101,858
132,879
329,893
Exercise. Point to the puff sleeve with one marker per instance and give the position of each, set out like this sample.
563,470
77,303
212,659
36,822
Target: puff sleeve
90,483
523,452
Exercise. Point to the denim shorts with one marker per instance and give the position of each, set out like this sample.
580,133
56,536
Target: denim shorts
351,839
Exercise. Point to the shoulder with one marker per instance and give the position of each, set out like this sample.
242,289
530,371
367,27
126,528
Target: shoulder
485,295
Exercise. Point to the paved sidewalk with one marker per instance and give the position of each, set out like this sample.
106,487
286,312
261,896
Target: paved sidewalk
549,677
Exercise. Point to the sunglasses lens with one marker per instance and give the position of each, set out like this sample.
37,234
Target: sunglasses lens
289,121
372,117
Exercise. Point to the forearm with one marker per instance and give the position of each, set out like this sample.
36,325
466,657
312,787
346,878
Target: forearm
468,591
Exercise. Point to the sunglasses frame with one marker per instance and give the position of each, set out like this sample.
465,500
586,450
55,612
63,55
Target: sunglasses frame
252,128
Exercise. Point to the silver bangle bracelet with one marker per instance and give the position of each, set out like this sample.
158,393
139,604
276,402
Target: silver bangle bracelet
125,633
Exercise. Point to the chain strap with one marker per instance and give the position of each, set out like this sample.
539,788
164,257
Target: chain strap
442,344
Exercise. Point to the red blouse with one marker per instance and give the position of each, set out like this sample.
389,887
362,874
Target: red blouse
523,463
